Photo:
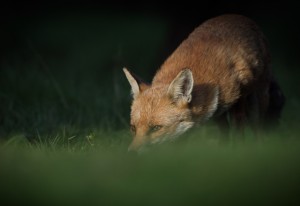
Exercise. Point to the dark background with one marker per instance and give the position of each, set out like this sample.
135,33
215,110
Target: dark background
182,17
60,62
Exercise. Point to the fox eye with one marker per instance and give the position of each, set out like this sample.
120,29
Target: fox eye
154,128
132,129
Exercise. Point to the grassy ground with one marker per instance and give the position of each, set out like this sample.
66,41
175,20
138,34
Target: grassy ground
64,113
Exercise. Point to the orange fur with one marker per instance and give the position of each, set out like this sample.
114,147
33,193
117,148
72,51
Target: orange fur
226,60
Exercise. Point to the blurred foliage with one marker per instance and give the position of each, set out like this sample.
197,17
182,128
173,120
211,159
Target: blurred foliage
68,71
190,172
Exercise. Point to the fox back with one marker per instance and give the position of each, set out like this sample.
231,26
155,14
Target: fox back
222,67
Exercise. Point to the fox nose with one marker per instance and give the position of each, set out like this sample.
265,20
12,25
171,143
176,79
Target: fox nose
133,148
136,145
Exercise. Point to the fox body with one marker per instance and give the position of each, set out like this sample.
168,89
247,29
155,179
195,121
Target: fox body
222,68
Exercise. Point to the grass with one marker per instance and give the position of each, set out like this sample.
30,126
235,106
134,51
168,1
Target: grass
194,171
64,113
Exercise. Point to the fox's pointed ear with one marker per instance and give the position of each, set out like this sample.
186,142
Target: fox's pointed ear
212,103
181,87
137,85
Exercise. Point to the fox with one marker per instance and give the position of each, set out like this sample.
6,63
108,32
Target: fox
221,71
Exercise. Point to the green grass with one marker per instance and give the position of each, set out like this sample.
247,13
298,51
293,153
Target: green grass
195,171
64,113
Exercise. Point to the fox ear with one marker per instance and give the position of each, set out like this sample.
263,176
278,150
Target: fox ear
181,87
205,100
212,105
137,85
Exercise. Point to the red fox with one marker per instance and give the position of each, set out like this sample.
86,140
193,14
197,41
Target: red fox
221,71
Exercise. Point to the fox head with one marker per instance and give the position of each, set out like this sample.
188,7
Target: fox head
160,112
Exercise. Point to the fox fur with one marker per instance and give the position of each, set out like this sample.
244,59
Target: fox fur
222,68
